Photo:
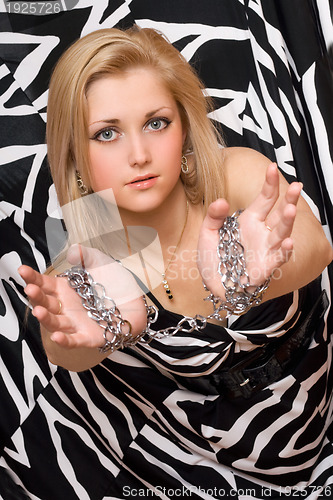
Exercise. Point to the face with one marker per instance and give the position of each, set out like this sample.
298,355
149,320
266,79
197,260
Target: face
135,140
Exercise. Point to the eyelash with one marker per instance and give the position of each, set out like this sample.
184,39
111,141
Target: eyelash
111,129
100,132
159,119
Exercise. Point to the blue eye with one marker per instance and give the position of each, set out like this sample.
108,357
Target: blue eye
158,124
107,135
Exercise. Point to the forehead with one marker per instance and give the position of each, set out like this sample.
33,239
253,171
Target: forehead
140,84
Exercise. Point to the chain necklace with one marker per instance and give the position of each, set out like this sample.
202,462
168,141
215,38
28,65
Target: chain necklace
165,281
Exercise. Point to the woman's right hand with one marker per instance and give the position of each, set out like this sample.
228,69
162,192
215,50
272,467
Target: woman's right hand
70,337
266,248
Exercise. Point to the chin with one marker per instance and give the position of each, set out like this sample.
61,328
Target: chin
143,204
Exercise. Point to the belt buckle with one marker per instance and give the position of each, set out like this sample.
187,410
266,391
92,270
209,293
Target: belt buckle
242,385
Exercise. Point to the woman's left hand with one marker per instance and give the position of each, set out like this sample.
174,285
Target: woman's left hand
70,337
265,233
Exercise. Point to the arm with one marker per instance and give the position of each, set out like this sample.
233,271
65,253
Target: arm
311,251
296,250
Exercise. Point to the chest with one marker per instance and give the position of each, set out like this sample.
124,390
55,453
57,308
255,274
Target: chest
186,289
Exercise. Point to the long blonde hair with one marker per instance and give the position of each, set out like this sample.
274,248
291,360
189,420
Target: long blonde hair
112,51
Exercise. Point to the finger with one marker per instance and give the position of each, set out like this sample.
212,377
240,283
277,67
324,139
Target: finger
38,297
86,257
75,340
283,255
291,196
216,214
287,247
75,255
29,275
269,194
284,227
293,192
52,322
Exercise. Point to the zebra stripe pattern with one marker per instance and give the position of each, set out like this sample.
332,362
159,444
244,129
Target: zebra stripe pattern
132,426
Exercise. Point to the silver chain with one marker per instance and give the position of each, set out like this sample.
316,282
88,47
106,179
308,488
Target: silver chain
234,276
117,331
197,323
231,268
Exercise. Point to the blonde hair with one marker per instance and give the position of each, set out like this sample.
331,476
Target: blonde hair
112,51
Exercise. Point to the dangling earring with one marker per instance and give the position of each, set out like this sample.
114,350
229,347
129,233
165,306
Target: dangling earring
82,187
184,165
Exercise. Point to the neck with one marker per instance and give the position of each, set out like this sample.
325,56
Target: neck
177,228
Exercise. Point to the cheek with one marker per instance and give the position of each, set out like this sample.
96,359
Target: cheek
172,147
101,171
97,157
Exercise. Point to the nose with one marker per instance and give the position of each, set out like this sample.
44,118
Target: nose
139,153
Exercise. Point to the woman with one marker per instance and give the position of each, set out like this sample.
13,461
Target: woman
127,121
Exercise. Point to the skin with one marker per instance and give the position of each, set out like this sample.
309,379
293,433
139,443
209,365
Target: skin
126,142
136,140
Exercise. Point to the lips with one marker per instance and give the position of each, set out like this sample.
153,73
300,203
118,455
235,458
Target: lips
142,178
143,182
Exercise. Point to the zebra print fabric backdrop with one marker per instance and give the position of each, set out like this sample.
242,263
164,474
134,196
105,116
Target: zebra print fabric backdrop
265,64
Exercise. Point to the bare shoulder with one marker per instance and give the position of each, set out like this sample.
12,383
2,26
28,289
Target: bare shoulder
245,171
244,164
239,157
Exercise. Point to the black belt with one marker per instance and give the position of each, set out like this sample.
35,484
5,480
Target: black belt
265,365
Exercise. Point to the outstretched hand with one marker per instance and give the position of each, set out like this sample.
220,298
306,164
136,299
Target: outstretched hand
59,310
265,233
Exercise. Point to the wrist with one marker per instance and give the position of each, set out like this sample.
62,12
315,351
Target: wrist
238,294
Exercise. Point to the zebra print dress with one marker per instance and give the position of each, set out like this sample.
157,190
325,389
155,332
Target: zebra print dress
133,426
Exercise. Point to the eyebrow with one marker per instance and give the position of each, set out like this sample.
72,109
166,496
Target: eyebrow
115,121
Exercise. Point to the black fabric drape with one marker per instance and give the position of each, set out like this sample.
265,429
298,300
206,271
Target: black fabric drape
264,62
